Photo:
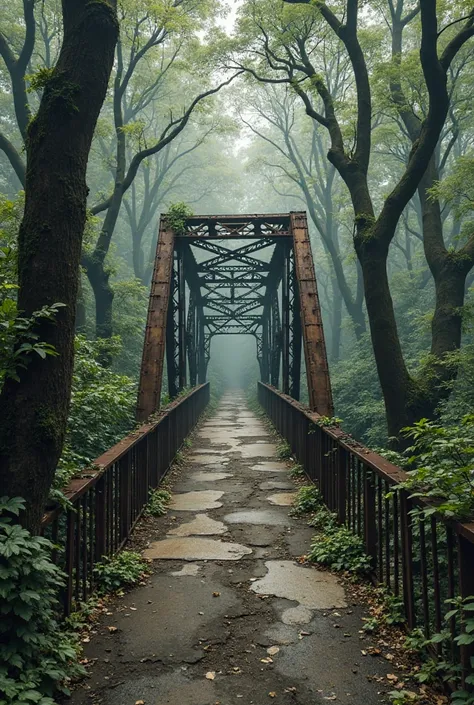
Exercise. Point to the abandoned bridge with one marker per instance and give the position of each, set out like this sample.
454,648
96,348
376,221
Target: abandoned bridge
231,612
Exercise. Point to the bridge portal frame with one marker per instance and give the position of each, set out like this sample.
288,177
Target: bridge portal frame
234,291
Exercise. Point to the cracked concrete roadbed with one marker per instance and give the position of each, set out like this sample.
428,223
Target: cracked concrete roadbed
226,587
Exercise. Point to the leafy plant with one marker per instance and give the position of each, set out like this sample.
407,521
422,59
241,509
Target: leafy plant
297,471
308,499
36,657
442,458
177,215
125,569
101,412
158,500
340,549
284,450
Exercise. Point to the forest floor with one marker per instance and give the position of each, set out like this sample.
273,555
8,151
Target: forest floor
230,616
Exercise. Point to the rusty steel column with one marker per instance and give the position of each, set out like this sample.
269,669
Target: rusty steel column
317,372
275,341
191,340
151,373
171,339
202,367
285,325
296,334
181,297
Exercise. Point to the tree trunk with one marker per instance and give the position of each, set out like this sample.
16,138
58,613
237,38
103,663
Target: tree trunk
33,412
80,307
99,279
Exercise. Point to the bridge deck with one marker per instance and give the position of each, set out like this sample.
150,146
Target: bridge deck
227,597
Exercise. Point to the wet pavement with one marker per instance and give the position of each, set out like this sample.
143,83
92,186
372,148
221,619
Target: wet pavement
230,616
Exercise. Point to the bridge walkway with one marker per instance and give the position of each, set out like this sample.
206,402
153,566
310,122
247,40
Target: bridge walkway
229,616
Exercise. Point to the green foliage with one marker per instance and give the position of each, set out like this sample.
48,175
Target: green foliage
36,657
340,549
358,397
102,407
19,338
442,458
284,450
297,471
158,501
308,499
123,570
39,80
177,215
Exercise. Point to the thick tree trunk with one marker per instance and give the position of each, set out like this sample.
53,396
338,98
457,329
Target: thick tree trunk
33,412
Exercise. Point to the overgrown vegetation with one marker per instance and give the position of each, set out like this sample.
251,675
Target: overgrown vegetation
123,570
158,501
441,459
37,658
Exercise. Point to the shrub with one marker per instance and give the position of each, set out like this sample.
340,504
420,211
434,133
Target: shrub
308,499
157,503
36,657
340,549
284,450
125,569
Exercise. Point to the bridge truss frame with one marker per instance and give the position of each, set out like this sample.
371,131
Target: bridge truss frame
234,291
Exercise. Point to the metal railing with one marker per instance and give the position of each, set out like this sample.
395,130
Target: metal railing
426,560
107,501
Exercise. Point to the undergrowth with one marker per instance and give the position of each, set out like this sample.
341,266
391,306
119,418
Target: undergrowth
37,658
158,501
122,570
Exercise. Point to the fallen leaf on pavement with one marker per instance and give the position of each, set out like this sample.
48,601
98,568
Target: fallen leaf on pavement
272,694
272,650
112,630
210,675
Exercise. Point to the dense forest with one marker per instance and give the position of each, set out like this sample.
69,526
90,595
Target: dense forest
112,114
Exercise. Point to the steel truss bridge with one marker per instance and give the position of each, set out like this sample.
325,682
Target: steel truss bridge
231,275
254,274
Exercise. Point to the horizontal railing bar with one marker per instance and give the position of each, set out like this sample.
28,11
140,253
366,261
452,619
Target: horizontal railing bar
383,467
78,486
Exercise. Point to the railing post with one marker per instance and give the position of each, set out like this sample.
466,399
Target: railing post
342,458
466,585
370,527
407,559
100,531
69,566
125,496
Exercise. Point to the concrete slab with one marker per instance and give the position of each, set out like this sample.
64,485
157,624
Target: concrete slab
210,476
276,485
270,466
189,570
258,450
195,549
282,499
207,459
311,588
201,525
168,689
269,517
196,501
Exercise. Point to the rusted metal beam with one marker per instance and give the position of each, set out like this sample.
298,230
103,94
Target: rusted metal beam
155,336
317,372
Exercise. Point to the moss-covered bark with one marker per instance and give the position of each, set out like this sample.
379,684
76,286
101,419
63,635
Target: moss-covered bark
33,412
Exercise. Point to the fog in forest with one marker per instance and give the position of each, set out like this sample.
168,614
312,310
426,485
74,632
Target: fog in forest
260,145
